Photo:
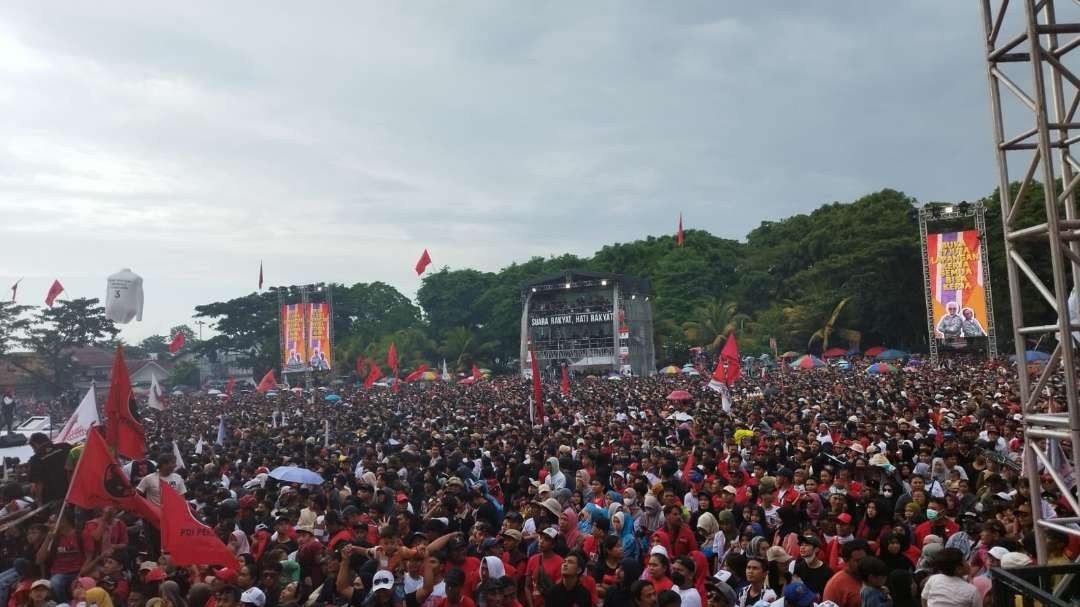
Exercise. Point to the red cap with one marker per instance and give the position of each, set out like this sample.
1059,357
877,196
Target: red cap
155,575
226,575
262,470
634,467
844,518
248,502
401,497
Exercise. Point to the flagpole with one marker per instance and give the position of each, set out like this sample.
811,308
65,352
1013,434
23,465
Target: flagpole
63,506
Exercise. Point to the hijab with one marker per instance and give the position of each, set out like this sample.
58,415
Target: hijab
170,591
572,534
495,568
99,597
243,546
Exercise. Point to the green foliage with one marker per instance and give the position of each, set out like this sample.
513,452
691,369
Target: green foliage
12,323
53,333
184,373
711,323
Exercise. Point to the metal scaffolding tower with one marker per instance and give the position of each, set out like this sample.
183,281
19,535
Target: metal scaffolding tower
1034,98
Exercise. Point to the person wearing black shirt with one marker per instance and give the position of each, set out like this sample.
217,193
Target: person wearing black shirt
809,568
47,469
568,592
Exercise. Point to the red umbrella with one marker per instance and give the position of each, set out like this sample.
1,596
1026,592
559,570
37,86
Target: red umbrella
833,352
874,351
679,395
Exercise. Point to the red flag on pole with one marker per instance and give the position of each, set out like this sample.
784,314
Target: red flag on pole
537,405
475,373
260,275
679,238
423,263
123,431
565,387
99,481
188,541
373,376
267,383
54,291
229,386
415,375
177,342
360,365
729,356
391,357
14,289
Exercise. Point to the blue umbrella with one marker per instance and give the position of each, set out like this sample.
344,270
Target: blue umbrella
292,474
1032,356
331,397
891,355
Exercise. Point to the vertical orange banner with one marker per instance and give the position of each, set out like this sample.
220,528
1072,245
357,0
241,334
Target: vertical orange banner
957,284
293,342
318,338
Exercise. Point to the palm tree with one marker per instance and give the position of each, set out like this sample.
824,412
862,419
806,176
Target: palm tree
712,322
830,330
460,346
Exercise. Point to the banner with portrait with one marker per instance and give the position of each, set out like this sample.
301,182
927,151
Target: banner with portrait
318,338
294,353
957,285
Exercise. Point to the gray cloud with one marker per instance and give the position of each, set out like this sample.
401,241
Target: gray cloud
189,142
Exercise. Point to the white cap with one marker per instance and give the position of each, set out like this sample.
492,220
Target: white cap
998,552
253,596
383,580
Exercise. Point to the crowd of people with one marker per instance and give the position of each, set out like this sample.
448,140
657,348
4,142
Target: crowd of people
817,487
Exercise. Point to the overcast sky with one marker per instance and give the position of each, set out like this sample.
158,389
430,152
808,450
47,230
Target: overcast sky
336,141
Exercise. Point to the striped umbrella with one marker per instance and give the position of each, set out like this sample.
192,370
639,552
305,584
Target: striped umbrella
807,361
880,368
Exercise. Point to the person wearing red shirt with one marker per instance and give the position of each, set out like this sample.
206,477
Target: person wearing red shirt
455,591
548,562
675,536
786,494
938,524
106,522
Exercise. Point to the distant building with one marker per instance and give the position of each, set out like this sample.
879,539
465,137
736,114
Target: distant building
94,365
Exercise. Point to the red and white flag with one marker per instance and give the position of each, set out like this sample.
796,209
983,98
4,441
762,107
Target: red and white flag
80,422
156,398
54,291
99,481
729,356
423,263
123,429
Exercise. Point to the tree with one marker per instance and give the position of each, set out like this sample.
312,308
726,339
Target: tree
155,344
189,335
829,329
712,323
12,324
55,332
461,348
184,373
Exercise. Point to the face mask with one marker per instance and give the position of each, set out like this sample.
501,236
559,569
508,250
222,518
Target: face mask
678,579
931,513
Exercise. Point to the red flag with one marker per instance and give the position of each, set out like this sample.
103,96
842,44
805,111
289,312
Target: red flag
373,376
729,356
14,289
267,383
177,342
415,375
475,373
123,430
423,263
99,481
54,291
565,387
229,387
391,357
360,365
188,541
260,275
679,238
537,405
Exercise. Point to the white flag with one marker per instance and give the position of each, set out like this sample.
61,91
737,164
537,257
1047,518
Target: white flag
199,446
445,373
221,430
179,458
725,395
156,399
84,417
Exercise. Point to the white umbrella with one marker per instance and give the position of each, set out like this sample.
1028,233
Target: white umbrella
213,392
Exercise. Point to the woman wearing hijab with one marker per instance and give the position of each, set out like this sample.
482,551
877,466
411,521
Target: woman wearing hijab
568,527
623,525
238,543
893,552
98,597
618,594
198,595
170,594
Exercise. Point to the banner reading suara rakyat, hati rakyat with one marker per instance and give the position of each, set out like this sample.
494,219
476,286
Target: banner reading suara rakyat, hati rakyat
318,338
957,284
294,353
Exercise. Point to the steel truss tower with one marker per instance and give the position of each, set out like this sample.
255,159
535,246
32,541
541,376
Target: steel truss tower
1034,97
